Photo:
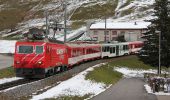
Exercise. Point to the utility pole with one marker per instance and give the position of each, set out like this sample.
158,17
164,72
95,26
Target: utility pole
105,29
65,21
159,69
47,30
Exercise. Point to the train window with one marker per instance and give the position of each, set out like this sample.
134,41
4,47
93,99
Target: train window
103,49
25,49
108,49
113,49
125,47
39,49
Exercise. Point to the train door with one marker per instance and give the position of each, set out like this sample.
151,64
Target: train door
112,52
117,50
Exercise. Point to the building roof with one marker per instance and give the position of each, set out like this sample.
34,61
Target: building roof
121,25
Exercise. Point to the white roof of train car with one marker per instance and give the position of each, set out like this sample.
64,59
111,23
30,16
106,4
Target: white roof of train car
81,44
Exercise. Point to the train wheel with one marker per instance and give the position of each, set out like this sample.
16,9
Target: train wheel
65,68
50,72
56,70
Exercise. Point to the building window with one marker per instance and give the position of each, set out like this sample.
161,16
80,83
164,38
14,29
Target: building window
114,32
113,38
59,29
95,38
122,33
95,32
107,32
107,38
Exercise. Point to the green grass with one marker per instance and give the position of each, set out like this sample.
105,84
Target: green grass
17,36
7,72
77,24
127,12
70,98
14,14
95,11
104,74
132,62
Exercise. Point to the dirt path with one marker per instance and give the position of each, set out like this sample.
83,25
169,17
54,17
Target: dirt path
126,89
5,61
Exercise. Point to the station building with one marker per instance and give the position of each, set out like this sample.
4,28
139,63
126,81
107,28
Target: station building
131,31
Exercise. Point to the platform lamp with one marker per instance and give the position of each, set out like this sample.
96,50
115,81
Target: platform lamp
159,67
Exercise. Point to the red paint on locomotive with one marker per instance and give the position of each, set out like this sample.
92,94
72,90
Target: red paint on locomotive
37,59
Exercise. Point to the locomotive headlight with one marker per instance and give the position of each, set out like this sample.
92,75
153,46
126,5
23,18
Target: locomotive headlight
17,62
40,62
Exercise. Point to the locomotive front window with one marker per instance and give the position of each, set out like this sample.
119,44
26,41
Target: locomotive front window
25,49
39,49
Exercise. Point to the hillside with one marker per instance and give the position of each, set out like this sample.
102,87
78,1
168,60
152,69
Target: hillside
19,15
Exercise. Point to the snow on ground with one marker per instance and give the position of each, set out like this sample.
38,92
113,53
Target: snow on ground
76,86
149,90
6,80
128,73
133,73
73,34
138,3
7,46
120,3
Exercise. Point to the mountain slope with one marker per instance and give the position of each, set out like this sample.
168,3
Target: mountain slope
22,14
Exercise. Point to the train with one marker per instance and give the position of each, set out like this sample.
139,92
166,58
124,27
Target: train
40,59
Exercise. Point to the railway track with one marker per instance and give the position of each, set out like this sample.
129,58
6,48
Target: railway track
31,86
15,83
25,81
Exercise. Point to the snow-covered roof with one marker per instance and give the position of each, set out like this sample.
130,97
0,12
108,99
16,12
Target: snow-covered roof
121,25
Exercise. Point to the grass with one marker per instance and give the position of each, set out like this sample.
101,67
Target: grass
133,62
70,98
13,37
77,24
7,72
127,12
95,11
104,74
14,14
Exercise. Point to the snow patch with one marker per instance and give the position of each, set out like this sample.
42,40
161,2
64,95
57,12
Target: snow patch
7,80
73,34
7,46
149,90
76,86
128,73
